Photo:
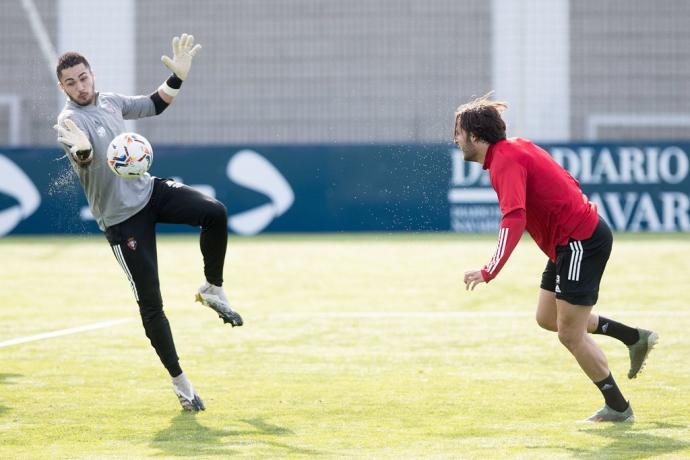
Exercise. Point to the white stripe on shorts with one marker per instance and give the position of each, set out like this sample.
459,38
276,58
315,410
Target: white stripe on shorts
579,260
117,250
575,261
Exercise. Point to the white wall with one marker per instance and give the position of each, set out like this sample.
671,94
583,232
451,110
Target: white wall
104,32
530,58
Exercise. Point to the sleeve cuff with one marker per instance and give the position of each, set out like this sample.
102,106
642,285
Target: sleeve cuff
486,276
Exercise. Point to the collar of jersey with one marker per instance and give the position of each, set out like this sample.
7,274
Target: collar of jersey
95,105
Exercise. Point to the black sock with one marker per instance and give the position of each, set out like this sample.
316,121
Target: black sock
612,394
626,334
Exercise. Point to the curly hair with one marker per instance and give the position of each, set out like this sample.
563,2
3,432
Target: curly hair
481,118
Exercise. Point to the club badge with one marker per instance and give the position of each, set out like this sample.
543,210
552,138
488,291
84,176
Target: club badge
132,243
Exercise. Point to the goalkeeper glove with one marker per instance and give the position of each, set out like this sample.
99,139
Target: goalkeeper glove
75,139
183,52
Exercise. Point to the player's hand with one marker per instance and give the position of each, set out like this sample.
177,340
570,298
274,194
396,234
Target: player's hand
74,138
473,278
183,51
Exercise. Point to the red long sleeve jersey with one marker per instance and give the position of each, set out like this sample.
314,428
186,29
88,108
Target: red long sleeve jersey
536,193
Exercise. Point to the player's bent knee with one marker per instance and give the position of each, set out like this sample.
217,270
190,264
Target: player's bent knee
149,313
569,338
546,315
217,212
150,305
546,322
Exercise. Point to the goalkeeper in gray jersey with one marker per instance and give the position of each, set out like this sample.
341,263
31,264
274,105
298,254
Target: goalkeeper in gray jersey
127,210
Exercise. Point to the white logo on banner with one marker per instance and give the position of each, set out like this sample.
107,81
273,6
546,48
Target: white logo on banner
622,174
249,169
16,184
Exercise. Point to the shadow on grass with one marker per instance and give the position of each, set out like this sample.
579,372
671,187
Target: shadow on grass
186,437
629,443
6,379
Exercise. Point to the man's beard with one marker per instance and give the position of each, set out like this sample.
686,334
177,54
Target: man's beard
89,102
469,152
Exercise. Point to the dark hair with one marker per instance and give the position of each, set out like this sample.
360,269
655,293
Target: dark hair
70,59
481,118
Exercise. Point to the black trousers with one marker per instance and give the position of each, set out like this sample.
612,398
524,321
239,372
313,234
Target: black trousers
134,244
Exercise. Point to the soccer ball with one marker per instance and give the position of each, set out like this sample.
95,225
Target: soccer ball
130,155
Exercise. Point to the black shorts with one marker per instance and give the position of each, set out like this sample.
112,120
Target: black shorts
579,266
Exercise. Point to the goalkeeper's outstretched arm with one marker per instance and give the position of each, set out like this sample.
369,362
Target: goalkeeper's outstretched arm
184,51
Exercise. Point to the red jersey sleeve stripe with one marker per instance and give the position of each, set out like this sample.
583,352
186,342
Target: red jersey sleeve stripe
500,250
498,247
493,257
512,226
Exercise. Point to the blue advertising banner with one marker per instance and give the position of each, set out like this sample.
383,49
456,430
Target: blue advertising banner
266,189
344,188
637,187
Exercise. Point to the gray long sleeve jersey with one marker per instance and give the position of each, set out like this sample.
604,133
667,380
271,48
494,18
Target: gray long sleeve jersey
112,199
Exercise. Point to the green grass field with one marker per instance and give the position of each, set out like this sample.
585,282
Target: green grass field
354,346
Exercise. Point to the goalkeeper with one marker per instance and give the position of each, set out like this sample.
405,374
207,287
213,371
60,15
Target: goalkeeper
128,210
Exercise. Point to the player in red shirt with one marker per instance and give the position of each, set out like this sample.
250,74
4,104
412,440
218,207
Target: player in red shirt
536,194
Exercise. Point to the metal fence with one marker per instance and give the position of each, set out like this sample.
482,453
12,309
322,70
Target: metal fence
352,71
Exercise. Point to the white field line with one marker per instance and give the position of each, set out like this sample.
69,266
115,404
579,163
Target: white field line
460,314
422,314
61,332
346,314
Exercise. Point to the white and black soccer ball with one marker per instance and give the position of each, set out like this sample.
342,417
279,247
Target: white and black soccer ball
130,155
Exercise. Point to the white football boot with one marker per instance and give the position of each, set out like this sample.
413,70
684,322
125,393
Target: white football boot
606,414
188,398
214,297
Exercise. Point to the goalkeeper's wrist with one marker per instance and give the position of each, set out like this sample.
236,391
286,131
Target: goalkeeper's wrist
171,86
83,156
